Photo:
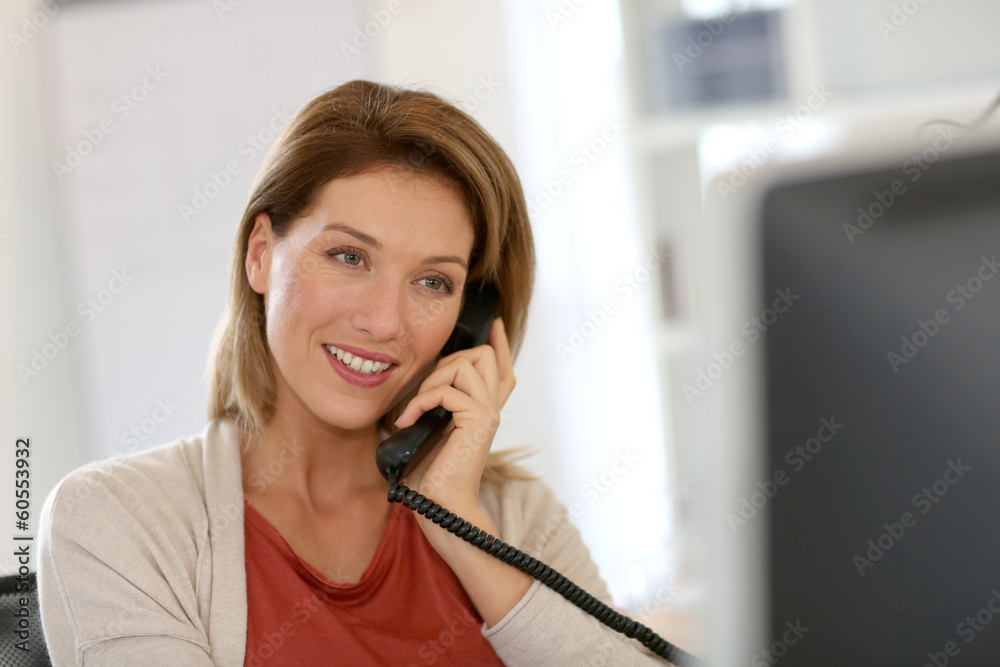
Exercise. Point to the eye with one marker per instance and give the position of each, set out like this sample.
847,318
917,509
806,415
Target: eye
438,284
350,257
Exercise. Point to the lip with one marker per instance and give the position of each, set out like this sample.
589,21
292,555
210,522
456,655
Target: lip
362,352
352,376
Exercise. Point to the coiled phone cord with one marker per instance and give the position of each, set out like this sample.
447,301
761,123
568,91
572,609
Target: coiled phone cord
539,570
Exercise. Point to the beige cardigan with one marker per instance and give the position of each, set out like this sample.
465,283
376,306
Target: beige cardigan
141,563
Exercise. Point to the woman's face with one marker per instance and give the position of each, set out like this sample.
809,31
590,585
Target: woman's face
372,275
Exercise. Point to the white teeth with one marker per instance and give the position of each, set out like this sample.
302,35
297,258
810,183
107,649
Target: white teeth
358,364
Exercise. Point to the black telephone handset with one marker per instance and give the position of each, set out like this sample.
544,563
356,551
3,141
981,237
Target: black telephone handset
399,453
405,449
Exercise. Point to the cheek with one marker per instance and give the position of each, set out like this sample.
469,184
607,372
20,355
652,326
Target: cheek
286,301
431,329
301,302
280,309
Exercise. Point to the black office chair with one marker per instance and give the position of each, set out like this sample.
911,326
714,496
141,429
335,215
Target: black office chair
21,640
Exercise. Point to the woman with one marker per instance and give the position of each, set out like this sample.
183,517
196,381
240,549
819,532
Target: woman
267,539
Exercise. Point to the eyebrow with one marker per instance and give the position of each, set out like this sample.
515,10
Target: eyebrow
373,242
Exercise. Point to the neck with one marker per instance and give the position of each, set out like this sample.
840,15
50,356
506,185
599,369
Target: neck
307,461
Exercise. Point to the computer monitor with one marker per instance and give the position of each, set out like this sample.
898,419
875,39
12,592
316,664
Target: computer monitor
882,415
852,442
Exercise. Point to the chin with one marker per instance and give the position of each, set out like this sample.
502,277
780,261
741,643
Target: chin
349,418
343,409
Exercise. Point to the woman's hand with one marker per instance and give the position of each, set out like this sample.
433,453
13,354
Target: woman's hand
473,385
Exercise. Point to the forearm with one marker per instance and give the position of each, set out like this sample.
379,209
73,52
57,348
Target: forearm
493,586
545,629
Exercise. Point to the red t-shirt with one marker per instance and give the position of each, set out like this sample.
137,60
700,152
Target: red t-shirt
409,608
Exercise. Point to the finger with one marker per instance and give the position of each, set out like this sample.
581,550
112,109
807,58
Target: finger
459,369
466,412
505,365
460,375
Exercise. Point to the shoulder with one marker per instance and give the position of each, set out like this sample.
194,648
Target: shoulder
136,480
156,490
134,534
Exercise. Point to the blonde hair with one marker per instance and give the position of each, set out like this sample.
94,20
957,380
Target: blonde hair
356,128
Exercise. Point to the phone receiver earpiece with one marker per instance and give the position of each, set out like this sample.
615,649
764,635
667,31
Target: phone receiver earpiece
402,451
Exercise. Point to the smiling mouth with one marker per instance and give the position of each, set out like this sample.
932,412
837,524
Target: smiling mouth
356,363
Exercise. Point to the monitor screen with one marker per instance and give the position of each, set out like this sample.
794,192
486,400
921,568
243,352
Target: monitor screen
882,416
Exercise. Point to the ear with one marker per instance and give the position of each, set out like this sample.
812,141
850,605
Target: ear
259,247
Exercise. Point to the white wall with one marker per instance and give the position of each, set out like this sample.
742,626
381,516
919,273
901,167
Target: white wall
33,302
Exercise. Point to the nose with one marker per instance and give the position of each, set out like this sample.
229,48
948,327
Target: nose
379,312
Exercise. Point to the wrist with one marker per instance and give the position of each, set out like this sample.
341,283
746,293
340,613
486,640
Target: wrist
443,540
494,586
